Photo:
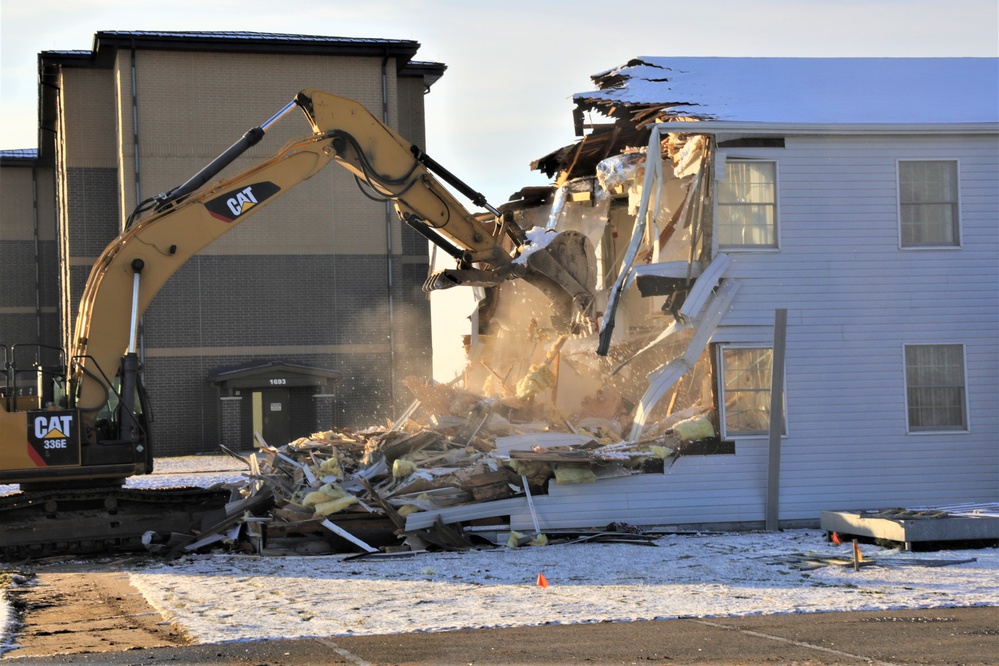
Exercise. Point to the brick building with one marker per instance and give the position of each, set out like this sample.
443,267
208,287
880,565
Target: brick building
304,318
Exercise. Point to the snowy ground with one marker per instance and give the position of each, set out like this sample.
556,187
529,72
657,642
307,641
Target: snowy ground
223,597
6,620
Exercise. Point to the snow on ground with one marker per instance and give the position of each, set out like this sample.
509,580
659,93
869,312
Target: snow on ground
228,597
198,471
6,624
232,598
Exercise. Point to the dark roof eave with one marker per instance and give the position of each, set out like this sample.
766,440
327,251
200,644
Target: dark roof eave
106,43
19,157
431,72
66,58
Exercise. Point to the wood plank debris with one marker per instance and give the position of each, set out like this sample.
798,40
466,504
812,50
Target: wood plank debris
417,483
348,536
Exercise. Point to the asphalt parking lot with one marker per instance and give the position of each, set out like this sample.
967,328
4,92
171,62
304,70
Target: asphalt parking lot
930,636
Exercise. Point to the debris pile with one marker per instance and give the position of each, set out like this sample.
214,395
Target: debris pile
391,489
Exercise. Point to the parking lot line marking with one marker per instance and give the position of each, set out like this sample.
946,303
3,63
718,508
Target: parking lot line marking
346,654
798,643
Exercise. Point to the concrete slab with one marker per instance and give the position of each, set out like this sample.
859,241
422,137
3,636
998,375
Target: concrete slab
908,526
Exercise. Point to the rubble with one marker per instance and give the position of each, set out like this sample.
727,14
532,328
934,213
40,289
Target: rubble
432,480
534,409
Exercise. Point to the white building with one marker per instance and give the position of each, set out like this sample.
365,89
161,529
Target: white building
856,198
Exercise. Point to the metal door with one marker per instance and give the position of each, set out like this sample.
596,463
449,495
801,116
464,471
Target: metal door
276,416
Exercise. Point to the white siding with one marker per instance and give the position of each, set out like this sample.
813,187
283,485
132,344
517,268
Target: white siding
695,490
854,298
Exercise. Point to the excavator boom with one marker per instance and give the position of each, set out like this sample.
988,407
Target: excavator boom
71,449
102,391
184,222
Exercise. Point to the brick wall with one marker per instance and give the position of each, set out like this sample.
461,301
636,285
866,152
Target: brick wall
93,222
241,301
92,204
230,428
29,293
305,281
188,414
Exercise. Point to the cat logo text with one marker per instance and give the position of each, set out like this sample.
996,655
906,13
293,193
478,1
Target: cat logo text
53,438
231,205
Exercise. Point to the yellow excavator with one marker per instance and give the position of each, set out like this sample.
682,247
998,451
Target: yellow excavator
72,444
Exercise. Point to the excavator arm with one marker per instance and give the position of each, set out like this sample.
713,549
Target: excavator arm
167,230
561,265
71,449
390,167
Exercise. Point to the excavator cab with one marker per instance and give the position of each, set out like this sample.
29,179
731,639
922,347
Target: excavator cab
59,447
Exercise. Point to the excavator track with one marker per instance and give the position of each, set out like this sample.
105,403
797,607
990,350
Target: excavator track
36,524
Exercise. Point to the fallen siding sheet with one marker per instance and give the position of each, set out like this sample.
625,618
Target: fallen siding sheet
912,525
457,514
542,440
704,286
699,294
653,185
693,491
661,380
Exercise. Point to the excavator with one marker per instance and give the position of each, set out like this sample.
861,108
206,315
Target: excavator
71,443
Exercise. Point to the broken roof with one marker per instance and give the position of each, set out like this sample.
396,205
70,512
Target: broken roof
803,90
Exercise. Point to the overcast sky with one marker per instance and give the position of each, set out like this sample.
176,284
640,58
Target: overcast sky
513,66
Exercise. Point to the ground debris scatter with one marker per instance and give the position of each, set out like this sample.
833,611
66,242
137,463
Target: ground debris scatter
347,491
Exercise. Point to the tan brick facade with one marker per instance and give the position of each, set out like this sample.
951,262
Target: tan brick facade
29,312
306,281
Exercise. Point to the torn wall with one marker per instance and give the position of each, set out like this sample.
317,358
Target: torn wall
657,292
540,433
554,402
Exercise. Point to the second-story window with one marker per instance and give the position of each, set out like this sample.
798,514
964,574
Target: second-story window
747,205
928,206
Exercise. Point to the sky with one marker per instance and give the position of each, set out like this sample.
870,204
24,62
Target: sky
513,66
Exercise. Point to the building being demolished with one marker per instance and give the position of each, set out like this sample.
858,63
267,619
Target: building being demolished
644,197
773,237
743,212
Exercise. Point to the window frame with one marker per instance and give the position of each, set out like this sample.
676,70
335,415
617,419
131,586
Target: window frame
966,413
957,229
726,247
721,392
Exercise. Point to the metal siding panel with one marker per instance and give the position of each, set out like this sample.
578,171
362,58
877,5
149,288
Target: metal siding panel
854,299
696,489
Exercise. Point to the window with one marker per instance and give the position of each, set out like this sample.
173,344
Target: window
747,205
928,210
934,385
745,394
